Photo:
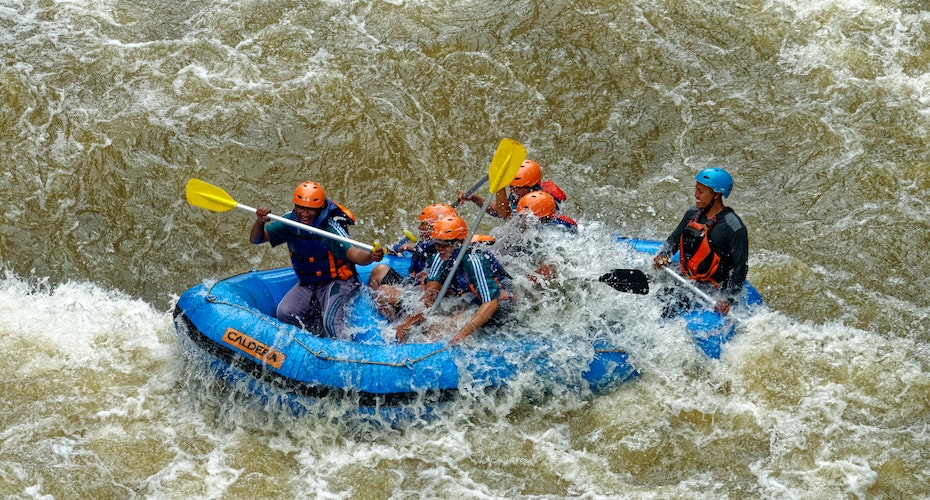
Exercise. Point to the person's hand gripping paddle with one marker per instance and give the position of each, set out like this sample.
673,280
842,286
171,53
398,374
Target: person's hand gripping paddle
204,195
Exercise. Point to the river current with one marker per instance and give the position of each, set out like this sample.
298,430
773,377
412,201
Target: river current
820,109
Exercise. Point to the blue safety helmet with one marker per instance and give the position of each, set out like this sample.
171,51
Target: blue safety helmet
717,179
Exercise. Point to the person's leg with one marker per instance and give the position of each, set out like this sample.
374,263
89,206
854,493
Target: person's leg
387,299
386,276
384,281
294,305
333,300
377,275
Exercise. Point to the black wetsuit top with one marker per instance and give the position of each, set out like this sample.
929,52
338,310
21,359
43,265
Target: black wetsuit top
729,239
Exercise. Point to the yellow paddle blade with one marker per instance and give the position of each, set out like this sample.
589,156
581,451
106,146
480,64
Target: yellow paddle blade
204,195
410,236
507,160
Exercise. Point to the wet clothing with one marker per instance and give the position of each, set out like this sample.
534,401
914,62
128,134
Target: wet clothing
316,259
393,278
727,238
319,308
418,256
476,273
421,253
417,275
326,277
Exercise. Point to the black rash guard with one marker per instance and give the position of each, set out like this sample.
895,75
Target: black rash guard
729,239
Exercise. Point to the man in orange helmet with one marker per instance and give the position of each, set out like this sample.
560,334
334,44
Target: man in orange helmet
543,207
476,275
325,268
539,215
527,180
387,282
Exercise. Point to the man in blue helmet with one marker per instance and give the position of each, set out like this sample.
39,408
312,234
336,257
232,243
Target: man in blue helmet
711,241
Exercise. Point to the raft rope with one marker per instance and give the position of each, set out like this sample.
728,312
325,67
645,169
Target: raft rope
408,363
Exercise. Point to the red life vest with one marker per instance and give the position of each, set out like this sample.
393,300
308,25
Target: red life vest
545,186
566,221
551,188
697,260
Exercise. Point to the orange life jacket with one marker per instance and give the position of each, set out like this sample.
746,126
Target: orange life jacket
697,260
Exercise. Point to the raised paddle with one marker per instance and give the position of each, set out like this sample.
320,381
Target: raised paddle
503,170
204,195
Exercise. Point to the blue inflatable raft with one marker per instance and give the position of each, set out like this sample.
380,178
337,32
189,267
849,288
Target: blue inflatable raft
710,330
231,324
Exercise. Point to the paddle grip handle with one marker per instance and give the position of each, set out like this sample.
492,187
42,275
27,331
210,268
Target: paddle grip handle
471,191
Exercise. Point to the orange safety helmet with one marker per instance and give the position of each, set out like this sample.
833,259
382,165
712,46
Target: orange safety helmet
529,174
539,203
436,211
310,195
450,228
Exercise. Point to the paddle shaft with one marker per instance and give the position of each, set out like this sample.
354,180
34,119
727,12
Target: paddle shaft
471,191
687,283
320,232
461,255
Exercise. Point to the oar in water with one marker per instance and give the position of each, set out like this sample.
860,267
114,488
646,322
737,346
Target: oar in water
408,236
689,285
503,170
205,195
636,281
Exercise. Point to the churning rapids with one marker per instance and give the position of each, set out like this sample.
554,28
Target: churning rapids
820,109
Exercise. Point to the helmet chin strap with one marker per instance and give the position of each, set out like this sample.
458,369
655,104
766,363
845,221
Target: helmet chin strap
713,204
